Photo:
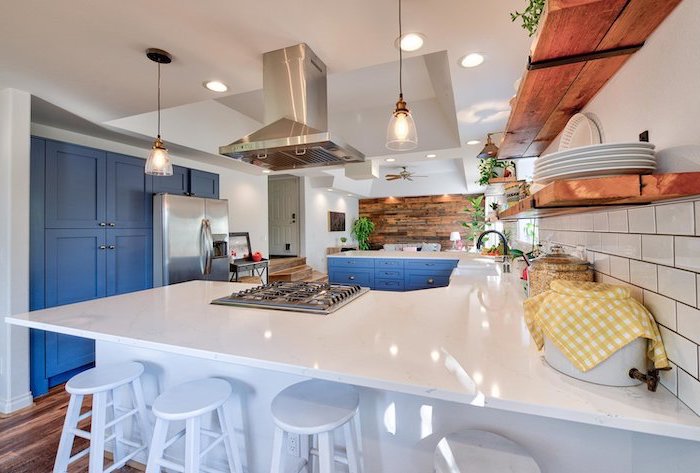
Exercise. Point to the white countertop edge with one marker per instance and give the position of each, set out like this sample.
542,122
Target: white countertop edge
680,431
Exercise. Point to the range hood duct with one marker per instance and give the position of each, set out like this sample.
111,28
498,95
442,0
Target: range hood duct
296,111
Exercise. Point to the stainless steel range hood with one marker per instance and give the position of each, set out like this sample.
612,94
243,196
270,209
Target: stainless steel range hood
296,111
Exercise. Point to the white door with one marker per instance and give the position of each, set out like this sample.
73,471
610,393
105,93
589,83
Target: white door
283,212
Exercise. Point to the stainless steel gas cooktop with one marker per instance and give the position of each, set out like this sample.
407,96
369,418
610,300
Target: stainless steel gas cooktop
317,298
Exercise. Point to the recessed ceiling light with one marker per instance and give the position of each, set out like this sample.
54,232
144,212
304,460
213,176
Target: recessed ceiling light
349,195
390,160
216,86
329,190
473,142
471,60
411,42
431,155
266,171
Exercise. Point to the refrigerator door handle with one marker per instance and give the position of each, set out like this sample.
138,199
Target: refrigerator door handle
206,248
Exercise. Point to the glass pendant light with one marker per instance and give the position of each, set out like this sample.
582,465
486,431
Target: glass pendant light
490,149
158,162
401,132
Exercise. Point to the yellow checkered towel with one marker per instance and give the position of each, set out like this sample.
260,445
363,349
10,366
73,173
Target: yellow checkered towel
590,321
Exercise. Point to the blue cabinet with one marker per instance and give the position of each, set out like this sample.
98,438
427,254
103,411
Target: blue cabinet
178,183
91,236
186,181
204,184
75,186
391,274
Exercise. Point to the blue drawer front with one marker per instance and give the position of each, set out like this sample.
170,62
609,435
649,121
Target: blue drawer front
388,273
389,284
425,281
361,277
431,264
350,262
388,263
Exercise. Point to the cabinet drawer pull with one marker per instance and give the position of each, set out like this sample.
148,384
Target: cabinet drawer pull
111,224
430,264
431,281
111,247
351,278
102,247
102,224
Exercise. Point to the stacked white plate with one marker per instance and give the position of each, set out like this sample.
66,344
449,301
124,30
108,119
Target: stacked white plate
607,159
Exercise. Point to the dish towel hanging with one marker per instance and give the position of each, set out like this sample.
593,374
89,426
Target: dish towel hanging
590,321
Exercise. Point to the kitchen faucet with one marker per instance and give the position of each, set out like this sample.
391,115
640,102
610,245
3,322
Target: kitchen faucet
506,251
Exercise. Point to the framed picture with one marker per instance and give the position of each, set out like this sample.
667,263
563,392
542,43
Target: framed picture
336,221
239,245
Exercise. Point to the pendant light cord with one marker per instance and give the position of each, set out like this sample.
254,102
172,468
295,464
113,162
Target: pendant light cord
159,100
400,55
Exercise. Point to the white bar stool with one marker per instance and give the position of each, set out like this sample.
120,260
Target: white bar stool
317,408
189,402
101,382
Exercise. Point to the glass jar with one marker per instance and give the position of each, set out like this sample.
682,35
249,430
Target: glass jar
557,264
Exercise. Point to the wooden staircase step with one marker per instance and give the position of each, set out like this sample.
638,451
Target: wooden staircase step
318,276
296,273
278,264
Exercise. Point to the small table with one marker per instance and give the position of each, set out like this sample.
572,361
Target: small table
257,268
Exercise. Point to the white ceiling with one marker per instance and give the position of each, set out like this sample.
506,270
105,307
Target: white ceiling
88,58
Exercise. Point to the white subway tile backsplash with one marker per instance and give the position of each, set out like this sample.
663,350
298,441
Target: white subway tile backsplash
602,263
642,220
617,221
697,218
586,222
629,245
688,322
662,308
669,379
620,268
658,249
687,251
643,274
677,284
689,391
600,222
675,219
609,242
593,241
680,350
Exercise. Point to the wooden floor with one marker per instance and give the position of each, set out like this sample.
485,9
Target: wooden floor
29,439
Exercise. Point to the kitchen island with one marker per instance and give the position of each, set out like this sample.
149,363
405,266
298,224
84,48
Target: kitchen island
429,362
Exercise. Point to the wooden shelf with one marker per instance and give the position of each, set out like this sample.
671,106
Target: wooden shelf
501,180
585,195
564,70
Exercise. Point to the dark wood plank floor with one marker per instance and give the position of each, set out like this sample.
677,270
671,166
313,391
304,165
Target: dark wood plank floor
29,439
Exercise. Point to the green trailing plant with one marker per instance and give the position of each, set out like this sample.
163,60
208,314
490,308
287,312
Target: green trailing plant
362,228
343,240
488,169
530,16
477,213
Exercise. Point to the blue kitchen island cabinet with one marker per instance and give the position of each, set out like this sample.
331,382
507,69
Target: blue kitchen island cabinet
397,273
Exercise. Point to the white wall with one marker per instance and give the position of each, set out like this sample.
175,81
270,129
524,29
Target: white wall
317,203
657,90
246,193
14,247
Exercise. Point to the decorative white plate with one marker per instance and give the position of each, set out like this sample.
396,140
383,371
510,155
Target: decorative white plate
572,154
623,159
579,131
600,172
602,146
597,164
558,172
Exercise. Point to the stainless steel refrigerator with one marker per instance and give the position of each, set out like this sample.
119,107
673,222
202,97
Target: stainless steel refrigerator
190,239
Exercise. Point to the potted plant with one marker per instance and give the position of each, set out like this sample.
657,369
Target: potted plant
490,168
477,221
343,240
493,214
362,228
530,16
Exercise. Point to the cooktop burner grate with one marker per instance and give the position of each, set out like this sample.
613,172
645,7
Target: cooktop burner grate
320,298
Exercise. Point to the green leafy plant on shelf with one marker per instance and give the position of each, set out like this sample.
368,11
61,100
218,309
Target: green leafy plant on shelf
477,213
488,169
362,228
530,16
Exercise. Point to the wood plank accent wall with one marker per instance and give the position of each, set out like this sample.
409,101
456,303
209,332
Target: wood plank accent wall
427,219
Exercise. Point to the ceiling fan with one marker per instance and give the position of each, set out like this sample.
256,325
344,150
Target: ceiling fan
404,174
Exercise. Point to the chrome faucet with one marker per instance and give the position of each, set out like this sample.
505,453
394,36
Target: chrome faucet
506,251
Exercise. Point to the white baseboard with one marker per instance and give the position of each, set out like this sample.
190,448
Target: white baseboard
8,406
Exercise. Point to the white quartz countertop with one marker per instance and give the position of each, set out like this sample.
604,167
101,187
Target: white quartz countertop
466,343
450,255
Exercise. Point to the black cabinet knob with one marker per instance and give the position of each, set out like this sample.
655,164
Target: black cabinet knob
431,281
111,247
102,247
